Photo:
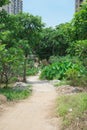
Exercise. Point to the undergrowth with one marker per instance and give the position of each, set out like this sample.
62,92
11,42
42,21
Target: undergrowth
32,71
71,108
12,94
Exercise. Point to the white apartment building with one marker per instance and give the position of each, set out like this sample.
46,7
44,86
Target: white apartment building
77,4
14,7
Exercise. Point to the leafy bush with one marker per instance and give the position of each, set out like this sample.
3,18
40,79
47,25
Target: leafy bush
12,94
79,48
14,79
76,78
53,59
32,71
58,70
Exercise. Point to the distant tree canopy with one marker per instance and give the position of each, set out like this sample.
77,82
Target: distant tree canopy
3,2
55,41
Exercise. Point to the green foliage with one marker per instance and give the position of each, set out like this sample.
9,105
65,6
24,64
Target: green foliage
71,107
58,70
23,34
53,59
77,78
32,71
13,79
20,33
79,48
3,2
12,94
79,23
54,41
68,58
73,74
9,60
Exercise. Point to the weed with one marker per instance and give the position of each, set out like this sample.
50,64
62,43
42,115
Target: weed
12,94
71,107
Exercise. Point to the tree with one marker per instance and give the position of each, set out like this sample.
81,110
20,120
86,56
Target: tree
9,62
55,41
79,23
3,2
28,35
22,31
79,48
79,35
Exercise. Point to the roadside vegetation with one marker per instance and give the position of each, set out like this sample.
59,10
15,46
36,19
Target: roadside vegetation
72,109
67,55
14,94
68,63
27,47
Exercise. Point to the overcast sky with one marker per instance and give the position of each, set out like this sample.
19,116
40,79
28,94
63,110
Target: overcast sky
53,12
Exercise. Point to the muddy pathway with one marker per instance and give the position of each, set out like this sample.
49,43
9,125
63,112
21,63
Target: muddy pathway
33,113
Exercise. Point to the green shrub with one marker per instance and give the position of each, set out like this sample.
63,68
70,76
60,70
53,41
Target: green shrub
12,94
58,70
76,77
67,58
53,59
14,79
79,49
32,71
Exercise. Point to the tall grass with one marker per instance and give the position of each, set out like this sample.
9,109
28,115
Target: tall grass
12,94
71,107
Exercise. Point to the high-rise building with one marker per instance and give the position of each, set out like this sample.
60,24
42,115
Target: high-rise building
14,7
77,4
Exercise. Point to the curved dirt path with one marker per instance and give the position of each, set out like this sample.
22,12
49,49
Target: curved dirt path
34,112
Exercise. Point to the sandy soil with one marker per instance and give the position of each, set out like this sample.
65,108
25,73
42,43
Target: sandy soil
33,113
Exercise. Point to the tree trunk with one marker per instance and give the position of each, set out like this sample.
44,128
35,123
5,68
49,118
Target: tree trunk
6,81
24,73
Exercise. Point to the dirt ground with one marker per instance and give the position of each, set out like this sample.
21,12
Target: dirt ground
34,113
